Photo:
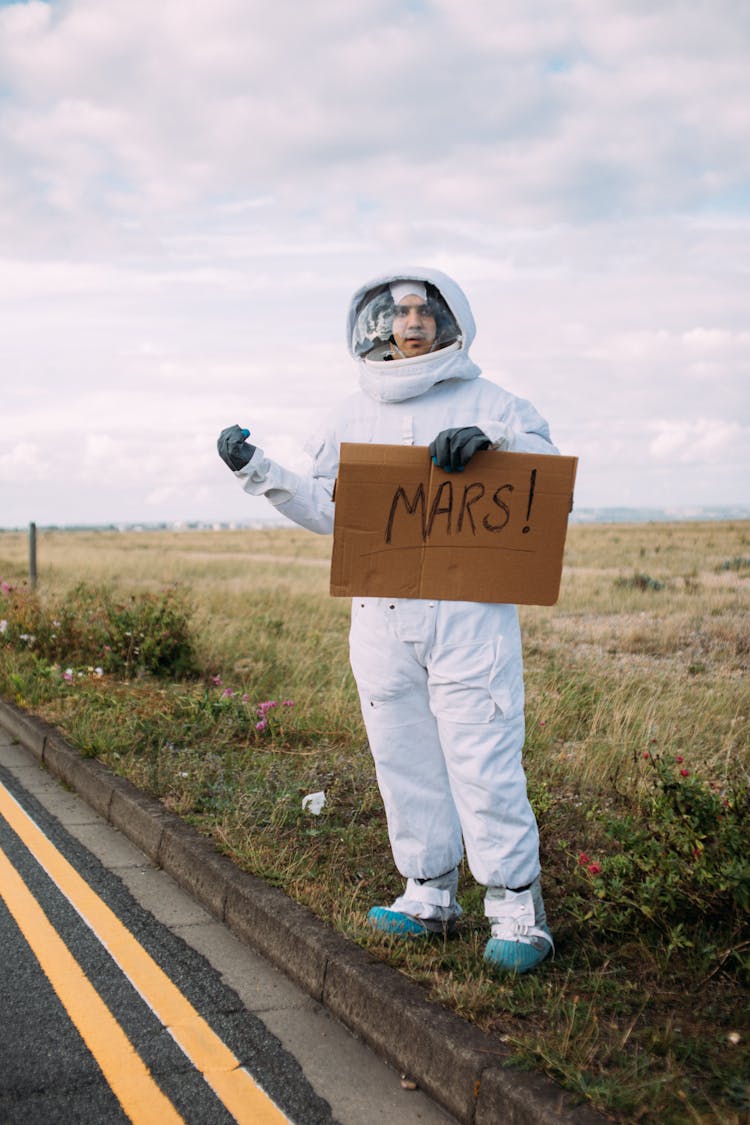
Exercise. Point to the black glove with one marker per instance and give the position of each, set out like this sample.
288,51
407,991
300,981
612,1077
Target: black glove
233,449
453,449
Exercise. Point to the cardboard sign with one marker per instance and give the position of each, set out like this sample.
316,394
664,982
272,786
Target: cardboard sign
492,533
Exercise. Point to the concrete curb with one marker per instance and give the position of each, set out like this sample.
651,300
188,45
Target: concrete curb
457,1065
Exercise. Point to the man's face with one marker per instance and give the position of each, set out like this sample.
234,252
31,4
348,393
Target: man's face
414,326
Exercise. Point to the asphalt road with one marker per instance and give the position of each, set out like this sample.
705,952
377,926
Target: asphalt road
122,999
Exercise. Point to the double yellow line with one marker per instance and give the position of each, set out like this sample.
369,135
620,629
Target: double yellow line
124,1070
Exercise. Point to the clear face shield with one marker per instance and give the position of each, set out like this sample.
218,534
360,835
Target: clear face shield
402,320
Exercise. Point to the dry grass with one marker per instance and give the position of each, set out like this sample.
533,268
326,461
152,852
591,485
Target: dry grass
612,667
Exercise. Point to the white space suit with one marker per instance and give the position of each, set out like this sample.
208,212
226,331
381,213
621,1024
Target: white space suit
440,683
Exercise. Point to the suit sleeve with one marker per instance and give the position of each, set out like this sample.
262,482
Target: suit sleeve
518,427
306,499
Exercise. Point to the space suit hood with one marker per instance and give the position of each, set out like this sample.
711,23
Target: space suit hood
396,380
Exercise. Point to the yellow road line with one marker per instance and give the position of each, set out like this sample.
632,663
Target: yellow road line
243,1098
125,1071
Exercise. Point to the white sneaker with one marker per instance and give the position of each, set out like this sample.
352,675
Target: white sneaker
520,936
425,907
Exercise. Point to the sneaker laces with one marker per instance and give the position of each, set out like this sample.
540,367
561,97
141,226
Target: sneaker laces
512,918
423,900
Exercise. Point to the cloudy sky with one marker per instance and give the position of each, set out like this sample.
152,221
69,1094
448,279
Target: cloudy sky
191,191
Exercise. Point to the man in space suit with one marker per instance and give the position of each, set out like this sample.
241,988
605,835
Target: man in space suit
440,683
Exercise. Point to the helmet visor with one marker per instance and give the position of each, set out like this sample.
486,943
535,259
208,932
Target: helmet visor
403,319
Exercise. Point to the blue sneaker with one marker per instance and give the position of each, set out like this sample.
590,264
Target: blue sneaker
520,939
424,908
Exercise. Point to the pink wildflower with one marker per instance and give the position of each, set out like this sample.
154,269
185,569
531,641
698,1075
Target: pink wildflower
288,703
583,859
227,693
646,754
216,681
593,869
261,725
684,773
679,758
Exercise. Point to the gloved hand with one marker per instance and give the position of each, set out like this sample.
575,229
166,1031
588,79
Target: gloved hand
453,449
233,449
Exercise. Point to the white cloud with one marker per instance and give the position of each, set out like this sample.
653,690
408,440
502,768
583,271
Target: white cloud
126,105
21,462
697,442
189,194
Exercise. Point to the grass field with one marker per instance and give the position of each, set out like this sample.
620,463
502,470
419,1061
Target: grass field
638,758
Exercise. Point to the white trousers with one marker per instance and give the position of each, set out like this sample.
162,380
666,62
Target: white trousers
441,689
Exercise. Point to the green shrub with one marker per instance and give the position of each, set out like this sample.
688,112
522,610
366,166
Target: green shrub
639,582
678,866
737,563
90,626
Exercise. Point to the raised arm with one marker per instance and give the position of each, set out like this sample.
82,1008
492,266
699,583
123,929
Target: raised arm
306,499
